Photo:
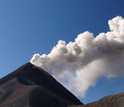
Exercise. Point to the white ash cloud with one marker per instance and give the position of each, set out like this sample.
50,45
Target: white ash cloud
79,64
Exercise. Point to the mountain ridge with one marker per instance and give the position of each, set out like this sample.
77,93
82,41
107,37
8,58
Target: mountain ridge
114,100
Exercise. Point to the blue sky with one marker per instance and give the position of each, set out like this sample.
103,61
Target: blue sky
28,27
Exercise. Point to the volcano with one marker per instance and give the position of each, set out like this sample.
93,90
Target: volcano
30,86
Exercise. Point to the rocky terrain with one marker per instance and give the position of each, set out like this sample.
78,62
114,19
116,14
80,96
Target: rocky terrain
115,100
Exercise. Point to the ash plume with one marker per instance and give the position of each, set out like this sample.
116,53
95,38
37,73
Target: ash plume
79,64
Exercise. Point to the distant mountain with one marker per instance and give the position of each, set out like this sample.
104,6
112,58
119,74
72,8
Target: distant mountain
115,100
30,86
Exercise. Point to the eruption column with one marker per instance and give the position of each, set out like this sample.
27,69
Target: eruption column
79,64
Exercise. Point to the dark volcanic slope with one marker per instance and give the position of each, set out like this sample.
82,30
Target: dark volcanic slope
115,100
30,86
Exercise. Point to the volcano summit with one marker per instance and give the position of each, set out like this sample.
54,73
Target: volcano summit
30,86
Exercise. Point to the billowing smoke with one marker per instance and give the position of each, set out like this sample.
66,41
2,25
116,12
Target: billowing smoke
78,65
